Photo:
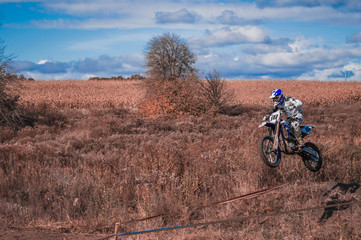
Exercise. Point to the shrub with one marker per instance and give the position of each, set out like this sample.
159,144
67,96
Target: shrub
180,96
11,113
215,92
172,86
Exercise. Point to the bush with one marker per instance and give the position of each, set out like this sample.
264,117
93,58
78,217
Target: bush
172,86
178,97
12,114
215,92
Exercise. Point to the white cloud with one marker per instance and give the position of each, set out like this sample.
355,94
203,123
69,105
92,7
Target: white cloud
294,59
180,16
300,44
103,66
229,17
93,14
230,36
352,70
43,61
301,53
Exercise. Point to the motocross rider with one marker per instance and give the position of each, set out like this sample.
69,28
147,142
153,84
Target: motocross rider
292,108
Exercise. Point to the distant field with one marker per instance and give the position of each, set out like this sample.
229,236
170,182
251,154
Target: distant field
78,94
309,92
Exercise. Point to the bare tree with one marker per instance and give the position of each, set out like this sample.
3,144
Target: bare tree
4,67
10,112
215,91
172,86
168,57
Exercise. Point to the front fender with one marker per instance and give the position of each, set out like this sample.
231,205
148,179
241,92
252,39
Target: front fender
267,124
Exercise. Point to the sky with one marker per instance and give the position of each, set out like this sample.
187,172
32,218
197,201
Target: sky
244,39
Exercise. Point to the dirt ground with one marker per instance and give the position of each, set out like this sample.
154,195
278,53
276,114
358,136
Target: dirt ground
39,234
338,193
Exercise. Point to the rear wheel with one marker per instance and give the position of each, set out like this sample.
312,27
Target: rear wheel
311,157
269,157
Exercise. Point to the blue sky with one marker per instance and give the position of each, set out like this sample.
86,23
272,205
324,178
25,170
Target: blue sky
249,39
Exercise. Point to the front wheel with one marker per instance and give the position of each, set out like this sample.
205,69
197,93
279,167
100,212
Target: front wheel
269,157
311,157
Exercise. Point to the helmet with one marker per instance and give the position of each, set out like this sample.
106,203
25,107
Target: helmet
277,96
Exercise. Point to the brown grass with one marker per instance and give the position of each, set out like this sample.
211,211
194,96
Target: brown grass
103,164
309,92
129,93
84,94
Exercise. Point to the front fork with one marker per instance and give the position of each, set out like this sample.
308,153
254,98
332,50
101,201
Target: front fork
276,137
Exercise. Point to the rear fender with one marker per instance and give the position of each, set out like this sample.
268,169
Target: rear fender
306,130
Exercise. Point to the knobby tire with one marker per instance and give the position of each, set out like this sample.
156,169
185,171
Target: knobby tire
263,152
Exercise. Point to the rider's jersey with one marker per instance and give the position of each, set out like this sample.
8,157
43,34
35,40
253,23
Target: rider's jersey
291,107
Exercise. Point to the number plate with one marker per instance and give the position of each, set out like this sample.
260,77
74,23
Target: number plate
273,118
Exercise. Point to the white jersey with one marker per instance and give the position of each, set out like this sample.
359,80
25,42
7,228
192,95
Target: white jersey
291,107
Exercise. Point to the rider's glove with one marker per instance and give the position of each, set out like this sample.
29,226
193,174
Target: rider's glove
265,117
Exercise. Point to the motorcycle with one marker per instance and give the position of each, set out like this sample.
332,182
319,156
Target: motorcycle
281,139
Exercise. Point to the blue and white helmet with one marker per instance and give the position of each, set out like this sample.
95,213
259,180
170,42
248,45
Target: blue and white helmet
277,96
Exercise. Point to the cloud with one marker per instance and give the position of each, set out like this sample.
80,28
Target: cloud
275,45
290,3
91,23
89,7
284,58
103,66
180,16
349,5
230,36
94,14
21,66
43,66
229,17
127,14
110,65
299,61
352,71
355,38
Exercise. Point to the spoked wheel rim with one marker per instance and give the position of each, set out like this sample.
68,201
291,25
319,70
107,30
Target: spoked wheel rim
312,161
270,155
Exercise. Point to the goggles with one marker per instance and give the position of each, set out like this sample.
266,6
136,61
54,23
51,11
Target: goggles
276,99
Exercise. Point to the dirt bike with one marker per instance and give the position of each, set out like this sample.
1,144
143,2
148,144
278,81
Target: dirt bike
281,139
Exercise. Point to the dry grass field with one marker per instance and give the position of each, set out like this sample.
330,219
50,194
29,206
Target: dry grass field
93,161
84,94
310,92
128,94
